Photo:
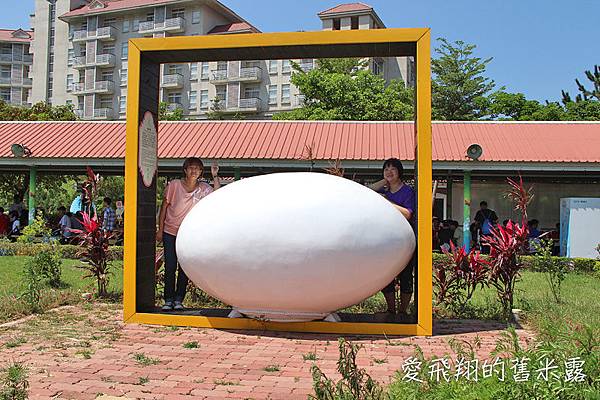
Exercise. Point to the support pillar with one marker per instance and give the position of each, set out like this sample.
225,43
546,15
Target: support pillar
467,211
31,205
449,197
236,173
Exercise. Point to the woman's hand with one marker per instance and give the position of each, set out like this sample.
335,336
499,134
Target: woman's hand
159,236
214,169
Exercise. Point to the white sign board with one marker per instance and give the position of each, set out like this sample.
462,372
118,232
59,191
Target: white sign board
148,149
579,227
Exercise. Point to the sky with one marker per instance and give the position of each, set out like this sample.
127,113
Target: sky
538,47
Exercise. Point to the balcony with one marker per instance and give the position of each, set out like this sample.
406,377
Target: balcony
173,25
250,74
306,67
27,82
172,107
100,87
105,34
250,104
102,60
7,58
99,113
172,81
14,81
28,58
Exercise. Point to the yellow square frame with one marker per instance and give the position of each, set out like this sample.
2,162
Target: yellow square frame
145,56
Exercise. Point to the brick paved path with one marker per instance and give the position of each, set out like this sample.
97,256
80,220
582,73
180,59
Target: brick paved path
82,352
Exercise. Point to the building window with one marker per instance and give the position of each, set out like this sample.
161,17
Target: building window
136,25
124,50
122,104
272,94
109,22
174,97
70,56
194,71
5,71
178,13
204,102
5,94
195,17
105,102
193,100
84,26
336,24
107,75
123,77
175,69
221,93
108,49
273,65
285,94
286,67
251,92
125,25
204,70
150,17
69,82
354,23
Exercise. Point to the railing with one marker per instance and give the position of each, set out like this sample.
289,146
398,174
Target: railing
99,87
27,81
251,73
249,103
5,80
171,107
170,24
27,58
104,33
307,66
172,80
103,113
101,60
6,57
219,75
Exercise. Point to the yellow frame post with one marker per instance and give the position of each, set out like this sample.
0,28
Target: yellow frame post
145,57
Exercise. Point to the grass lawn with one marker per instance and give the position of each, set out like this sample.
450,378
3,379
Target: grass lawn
11,286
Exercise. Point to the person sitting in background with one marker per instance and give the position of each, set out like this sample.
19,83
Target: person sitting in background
17,205
65,226
446,234
15,225
534,232
4,223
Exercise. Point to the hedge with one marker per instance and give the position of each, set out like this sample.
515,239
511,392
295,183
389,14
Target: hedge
68,251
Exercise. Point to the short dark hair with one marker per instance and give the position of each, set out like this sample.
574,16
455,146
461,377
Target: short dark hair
394,162
483,203
14,213
1,210
534,222
192,161
107,200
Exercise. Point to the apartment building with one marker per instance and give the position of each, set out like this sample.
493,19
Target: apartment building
15,66
81,52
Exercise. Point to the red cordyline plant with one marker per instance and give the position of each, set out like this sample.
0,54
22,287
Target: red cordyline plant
94,240
506,244
456,281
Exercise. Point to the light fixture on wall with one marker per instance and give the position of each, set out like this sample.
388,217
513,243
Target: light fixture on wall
20,150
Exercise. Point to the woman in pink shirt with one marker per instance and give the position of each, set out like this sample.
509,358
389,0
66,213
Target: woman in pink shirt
180,196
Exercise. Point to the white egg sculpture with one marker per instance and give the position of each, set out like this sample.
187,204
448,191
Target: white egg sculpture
293,246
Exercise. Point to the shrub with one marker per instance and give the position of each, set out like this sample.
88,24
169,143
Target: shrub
15,385
506,244
554,269
456,279
36,228
48,263
355,382
32,279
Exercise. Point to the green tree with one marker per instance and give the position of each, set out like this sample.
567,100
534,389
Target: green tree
38,112
516,107
342,89
459,86
164,114
218,112
584,93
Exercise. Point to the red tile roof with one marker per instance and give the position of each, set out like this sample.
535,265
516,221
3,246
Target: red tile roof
7,35
113,5
237,27
369,141
348,7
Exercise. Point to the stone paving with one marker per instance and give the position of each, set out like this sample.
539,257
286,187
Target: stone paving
83,352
